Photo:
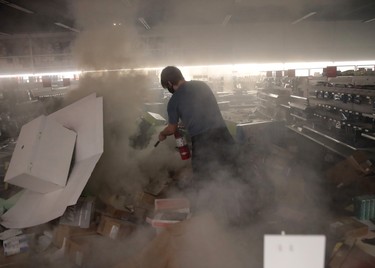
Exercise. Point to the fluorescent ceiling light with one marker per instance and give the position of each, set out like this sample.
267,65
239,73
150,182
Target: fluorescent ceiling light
370,20
226,19
245,67
6,34
304,17
16,7
66,27
144,23
68,73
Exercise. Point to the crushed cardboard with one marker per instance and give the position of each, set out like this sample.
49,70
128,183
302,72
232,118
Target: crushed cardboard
85,117
351,169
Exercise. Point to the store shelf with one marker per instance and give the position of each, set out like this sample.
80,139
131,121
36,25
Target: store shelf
345,90
370,136
298,106
285,106
324,140
299,117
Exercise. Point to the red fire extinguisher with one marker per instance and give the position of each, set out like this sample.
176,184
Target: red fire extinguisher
182,146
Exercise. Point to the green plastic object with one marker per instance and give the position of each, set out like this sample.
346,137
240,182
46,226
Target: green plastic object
10,202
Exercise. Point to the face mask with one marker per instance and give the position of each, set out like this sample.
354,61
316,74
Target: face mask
171,89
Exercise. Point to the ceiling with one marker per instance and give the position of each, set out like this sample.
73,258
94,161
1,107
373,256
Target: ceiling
51,16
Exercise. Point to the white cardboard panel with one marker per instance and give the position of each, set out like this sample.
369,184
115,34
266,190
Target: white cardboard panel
24,149
54,154
34,208
294,251
85,117
42,157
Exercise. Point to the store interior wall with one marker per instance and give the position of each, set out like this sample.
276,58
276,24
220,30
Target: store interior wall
273,42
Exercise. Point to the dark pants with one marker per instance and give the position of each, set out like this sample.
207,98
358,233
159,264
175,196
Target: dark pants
214,152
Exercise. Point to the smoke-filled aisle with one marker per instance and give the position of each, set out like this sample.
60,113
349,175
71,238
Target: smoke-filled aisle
229,213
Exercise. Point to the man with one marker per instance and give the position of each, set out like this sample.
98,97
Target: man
195,104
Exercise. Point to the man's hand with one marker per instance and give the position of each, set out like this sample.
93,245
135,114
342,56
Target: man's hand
167,131
162,136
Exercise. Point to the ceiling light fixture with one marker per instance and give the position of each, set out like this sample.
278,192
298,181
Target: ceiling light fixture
16,7
370,20
304,17
144,23
66,27
226,20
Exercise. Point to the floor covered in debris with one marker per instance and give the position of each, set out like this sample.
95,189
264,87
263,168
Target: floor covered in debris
220,225
141,206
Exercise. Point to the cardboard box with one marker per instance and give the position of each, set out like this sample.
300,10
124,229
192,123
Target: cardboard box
114,228
339,256
65,231
157,186
145,200
77,249
347,227
10,233
128,208
343,173
155,107
140,215
15,245
79,215
154,119
84,117
42,157
349,257
18,260
115,200
174,204
361,162
117,213
351,169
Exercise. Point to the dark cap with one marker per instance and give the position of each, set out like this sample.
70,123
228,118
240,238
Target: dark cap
170,74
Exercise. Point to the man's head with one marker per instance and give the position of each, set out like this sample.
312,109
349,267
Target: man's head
171,76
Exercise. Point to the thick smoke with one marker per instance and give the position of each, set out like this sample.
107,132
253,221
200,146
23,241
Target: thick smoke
107,40
229,215
122,98
122,168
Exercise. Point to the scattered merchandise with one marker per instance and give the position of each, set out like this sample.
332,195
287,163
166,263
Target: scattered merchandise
15,245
